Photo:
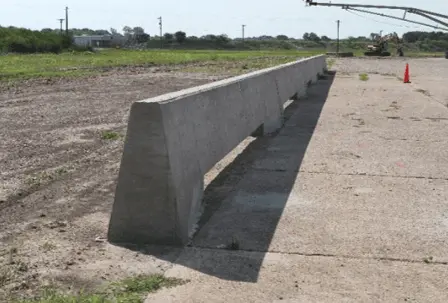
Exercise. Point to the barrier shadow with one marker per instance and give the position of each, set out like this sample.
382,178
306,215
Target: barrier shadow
236,261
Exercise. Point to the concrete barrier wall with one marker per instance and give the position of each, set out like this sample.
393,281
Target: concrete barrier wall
174,139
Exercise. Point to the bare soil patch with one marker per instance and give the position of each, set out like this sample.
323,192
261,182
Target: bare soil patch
60,148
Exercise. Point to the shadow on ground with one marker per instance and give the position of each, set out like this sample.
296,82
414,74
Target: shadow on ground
256,221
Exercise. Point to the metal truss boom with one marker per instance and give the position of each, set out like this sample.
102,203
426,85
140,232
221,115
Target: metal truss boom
424,13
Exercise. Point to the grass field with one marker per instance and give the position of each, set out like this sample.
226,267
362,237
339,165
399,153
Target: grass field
15,67
74,64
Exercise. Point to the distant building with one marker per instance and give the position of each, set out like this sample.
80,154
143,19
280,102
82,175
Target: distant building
99,40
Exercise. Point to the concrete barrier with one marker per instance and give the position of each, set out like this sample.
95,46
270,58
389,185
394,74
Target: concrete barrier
174,139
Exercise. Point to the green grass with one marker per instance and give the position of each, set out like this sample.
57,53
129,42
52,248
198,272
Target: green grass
130,290
52,296
239,67
46,176
84,63
108,135
17,67
47,246
363,77
428,260
425,54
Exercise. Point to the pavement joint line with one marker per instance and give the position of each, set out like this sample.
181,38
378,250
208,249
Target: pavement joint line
349,174
431,97
298,134
389,259
376,175
413,140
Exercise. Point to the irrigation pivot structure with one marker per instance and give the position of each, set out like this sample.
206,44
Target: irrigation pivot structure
438,18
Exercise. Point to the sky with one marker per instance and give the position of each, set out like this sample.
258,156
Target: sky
202,17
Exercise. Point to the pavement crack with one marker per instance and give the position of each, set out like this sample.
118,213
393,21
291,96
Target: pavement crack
412,140
375,175
326,255
349,174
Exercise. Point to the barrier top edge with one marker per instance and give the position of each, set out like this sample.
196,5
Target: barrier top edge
169,97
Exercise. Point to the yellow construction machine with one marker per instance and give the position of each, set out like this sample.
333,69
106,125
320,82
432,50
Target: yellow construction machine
381,46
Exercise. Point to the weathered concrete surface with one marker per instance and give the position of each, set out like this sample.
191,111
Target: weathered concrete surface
427,74
378,127
297,278
363,216
173,140
344,204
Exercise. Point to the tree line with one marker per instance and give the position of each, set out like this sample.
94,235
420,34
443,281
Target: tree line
20,40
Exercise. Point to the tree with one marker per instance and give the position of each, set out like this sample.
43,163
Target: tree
314,37
374,36
325,38
209,37
265,37
168,37
20,40
142,38
101,32
222,39
282,37
311,37
139,35
138,31
127,30
128,33
413,37
135,35
180,37
114,32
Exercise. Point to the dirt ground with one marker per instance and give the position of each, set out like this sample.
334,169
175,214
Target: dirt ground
58,172
58,175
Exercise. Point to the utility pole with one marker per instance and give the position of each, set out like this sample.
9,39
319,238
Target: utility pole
61,21
161,31
337,43
66,21
243,27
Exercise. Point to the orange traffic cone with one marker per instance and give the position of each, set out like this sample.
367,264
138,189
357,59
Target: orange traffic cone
406,74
